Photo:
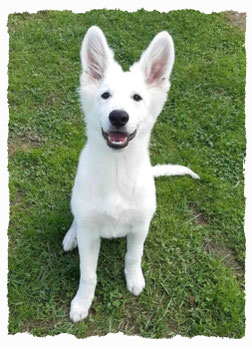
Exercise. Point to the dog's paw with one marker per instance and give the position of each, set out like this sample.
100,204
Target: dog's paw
78,311
70,240
135,282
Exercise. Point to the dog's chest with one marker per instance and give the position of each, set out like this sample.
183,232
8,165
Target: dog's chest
116,208
113,202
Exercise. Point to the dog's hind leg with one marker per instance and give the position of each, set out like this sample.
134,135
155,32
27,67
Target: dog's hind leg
70,239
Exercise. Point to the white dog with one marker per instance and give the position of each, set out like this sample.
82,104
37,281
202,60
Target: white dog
114,189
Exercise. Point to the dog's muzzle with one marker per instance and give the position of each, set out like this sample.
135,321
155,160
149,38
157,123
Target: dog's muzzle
118,140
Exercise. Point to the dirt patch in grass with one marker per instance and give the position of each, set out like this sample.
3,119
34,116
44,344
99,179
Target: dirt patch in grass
17,145
227,254
236,18
198,217
18,197
127,327
13,147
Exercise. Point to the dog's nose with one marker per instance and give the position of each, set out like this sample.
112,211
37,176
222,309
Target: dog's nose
118,118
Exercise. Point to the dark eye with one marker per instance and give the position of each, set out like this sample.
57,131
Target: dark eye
137,97
105,95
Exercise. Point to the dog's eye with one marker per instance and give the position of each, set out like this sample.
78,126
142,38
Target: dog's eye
105,95
137,97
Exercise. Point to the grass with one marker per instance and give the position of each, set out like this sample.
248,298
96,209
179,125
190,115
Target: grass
195,251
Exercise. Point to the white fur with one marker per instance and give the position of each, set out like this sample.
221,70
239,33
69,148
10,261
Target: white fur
114,189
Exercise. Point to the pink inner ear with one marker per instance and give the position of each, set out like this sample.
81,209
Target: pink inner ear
94,67
157,71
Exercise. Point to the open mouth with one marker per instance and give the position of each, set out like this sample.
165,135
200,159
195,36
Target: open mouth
118,140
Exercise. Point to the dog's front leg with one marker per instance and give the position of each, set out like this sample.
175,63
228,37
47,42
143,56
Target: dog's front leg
133,271
89,247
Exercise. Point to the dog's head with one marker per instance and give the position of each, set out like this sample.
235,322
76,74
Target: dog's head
122,106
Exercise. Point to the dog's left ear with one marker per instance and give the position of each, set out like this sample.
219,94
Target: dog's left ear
157,61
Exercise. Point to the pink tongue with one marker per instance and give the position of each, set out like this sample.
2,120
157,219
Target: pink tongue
117,137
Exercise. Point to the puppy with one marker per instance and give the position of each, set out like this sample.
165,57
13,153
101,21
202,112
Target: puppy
114,190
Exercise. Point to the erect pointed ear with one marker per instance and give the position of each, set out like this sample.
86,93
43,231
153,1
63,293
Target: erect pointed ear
157,61
95,54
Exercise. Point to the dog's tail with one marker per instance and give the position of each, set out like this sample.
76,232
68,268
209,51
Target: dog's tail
172,169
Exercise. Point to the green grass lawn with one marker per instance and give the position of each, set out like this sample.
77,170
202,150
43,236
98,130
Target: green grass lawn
195,251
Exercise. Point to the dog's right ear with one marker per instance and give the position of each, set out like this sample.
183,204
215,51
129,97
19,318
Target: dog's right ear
95,54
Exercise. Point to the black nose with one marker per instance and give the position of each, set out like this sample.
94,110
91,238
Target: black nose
118,118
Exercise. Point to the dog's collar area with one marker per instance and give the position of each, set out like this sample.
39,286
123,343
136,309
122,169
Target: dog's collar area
118,140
